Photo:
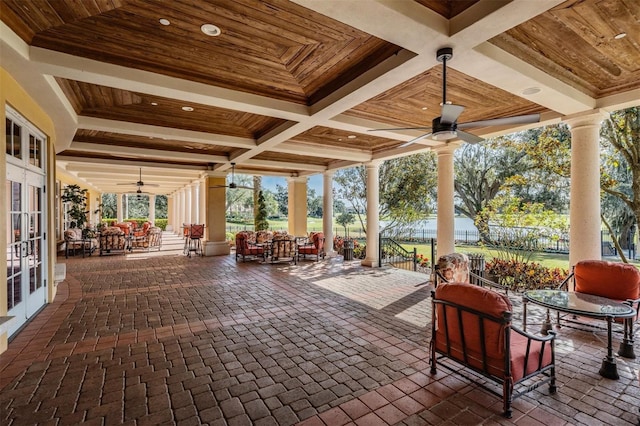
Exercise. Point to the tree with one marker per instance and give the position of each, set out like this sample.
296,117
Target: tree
282,198
345,219
620,177
517,226
407,189
261,223
109,206
533,165
314,203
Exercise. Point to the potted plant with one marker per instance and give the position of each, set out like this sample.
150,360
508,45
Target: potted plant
77,199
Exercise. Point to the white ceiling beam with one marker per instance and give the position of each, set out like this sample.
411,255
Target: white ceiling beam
166,133
128,168
91,160
333,152
110,75
146,152
284,165
486,19
494,66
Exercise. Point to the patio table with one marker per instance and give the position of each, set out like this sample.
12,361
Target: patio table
589,306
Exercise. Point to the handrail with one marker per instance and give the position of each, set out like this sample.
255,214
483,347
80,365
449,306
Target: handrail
392,252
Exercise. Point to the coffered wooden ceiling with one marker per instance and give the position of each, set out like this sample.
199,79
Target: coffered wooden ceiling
292,88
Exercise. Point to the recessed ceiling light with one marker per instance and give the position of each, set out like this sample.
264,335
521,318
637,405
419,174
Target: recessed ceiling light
531,91
619,36
339,139
351,136
164,21
210,30
187,108
425,108
154,103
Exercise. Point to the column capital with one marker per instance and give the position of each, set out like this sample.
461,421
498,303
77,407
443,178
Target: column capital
586,118
373,164
448,149
214,174
329,173
298,179
195,184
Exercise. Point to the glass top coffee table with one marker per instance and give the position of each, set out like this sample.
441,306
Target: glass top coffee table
589,306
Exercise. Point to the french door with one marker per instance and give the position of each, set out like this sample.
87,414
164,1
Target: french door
26,247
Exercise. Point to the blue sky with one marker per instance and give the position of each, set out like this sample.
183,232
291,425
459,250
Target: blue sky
314,182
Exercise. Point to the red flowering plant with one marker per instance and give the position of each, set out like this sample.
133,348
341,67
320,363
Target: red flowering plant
422,261
521,276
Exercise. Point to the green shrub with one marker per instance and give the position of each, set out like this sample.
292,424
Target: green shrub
161,223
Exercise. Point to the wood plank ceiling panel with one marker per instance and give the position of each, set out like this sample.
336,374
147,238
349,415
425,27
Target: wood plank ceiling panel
325,136
133,141
417,101
115,104
291,158
273,48
576,42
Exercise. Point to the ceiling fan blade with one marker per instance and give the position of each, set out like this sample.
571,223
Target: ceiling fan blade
399,128
468,137
128,183
426,135
450,113
149,184
519,119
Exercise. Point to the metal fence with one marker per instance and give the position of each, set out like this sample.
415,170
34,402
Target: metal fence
469,237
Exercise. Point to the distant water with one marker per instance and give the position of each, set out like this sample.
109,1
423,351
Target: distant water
460,224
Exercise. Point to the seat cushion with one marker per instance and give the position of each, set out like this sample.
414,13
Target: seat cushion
613,280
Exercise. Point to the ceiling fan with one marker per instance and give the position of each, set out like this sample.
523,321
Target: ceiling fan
445,127
139,183
232,184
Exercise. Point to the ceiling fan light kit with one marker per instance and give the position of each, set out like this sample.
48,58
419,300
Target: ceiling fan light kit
445,127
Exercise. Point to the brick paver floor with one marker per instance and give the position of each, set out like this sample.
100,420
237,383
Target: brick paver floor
149,339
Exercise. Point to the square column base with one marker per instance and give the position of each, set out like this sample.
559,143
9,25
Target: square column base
372,263
216,248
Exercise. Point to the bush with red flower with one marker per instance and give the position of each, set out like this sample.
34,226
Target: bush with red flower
521,276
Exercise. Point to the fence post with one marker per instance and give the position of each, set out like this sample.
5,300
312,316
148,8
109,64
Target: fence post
415,259
379,249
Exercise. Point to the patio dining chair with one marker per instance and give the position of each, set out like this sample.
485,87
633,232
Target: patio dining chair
196,233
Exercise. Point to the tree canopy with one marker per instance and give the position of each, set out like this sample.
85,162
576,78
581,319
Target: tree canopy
407,189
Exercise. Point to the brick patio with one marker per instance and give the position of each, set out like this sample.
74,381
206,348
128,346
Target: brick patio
165,339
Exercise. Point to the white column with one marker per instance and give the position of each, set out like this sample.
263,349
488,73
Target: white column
373,206
216,243
203,203
195,199
297,188
152,208
445,219
171,215
187,204
327,212
584,200
180,211
119,210
126,206
195,202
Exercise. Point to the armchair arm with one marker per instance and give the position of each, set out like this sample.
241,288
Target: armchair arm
564,285
549,337
477,279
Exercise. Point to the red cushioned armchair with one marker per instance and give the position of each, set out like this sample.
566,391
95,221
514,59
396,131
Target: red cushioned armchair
471,325
613,280
247,247
314,246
